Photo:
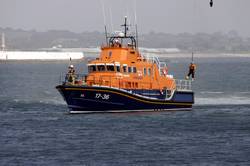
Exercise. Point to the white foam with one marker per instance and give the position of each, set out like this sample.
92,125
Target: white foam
244,92
230,100
211,92
53,101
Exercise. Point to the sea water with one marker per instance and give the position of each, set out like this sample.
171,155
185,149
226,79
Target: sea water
35,128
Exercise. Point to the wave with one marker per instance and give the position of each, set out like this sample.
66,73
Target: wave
52,101
220,92
211,92
244,92
229,100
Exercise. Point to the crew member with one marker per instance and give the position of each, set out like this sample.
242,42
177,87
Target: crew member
71,74
192,68
117,43
165,71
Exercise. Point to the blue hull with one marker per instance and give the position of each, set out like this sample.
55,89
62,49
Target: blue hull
104,99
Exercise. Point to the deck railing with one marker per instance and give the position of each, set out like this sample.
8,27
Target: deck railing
81,79
154,59
104,80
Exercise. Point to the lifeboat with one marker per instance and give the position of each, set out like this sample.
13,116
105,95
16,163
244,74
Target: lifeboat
121,79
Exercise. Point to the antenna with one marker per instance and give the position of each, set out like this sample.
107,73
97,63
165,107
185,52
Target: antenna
103,12
3,42
136,36
135,12
136,30
111,19
104,21
125,26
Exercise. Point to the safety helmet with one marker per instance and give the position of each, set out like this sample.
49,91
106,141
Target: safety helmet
71,66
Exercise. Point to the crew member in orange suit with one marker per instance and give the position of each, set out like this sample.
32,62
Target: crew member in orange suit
192,68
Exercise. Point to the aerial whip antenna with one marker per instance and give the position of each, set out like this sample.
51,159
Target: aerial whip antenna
104,21
125,27
135,12
128,14
111,19
103,12
136,31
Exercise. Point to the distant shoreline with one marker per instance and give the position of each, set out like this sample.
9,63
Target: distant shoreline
184,55
90,55
39,55
204,55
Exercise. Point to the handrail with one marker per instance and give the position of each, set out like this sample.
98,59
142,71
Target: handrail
155,59
107,81
104,80
72,78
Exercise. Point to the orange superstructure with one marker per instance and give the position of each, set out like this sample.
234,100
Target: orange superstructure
121,65
124,67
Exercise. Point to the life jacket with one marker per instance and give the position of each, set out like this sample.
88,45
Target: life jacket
192,67
71,71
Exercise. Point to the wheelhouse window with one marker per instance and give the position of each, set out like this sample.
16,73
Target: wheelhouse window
110,67
145,71
101,67
118,69
91,68
124,67
134,70
149,71
129,69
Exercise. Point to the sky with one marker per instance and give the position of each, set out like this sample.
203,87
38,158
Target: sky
168,16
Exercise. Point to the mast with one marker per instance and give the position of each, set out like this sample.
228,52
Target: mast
123,35
125,27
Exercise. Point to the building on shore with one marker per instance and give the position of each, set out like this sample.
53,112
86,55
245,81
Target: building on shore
37,55
40,55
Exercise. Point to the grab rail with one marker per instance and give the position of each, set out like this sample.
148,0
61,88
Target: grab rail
154,59
104,80
81,79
